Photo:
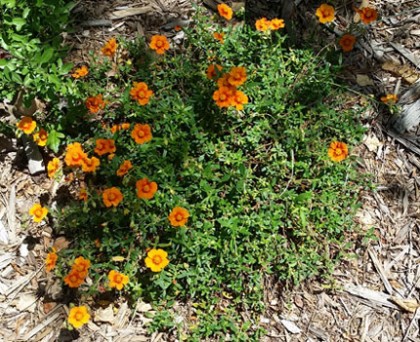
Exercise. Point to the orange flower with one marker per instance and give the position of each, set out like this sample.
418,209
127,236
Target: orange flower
141,93
262,24
347,42
237,76
239,98
211,72
41,137
156,260
81,265
27,125
78,316
52,167
110,47
80,72
90,164
141,133
104,146
219,36
123,126
38,212
51,261
74,155
159,43
223,96
146,189
83,195
338,151
225,11
124,168
389,98
178,217
117,280
112,197
74,279
367,14
325,13
95,103
177,28
276,24
224,81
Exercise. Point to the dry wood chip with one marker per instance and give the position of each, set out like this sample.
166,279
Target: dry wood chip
375,297
409,305
131,12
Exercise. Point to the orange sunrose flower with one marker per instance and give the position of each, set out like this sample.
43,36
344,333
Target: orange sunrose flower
219,36
146,189
78,316
159,43
83,195
110,47
239,98
276,24
80,72
117,280
51,261
81,265
41,137
104,146
237,76
224,82
156,260
38,212
123,126
124,168
112,197
367,14
74,279
347,42
52,167
90,164
141,93
325,13
338,151
262,24
95,103
26,124
177,28
211,72
74,155
225,11
141,133
178,217
223,96
389,98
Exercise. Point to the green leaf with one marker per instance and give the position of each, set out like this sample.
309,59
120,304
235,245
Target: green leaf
54,139
47,55
18,22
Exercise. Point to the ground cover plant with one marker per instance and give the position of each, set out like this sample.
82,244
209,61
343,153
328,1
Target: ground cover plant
200,171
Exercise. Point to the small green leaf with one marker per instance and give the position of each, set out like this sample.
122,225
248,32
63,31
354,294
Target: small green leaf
54,139
47,55
18,22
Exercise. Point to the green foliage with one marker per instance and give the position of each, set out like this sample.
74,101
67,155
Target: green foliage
30,31
262,194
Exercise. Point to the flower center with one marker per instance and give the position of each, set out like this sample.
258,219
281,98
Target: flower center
157,259
338,151
179,217
75,155
111,196
222,97
79,316
142,94
73,278
159,43
140,134
38,212
118,278
146,188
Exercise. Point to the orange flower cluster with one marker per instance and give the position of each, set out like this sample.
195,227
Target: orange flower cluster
121,127
80,72
338,151
51,261
110,47
178,217
95,103
159,44
389,98
263,24
227,94
219,36
347,42
112,197
117,280
75,156
325,13
141,93
124,168
225,11
78,273
104,146
26,124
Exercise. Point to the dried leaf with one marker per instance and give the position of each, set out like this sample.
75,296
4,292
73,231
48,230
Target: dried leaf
26,302
61,243
104,315
363,80
409,305
372,142
49,306
118,258
404,71
291,327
